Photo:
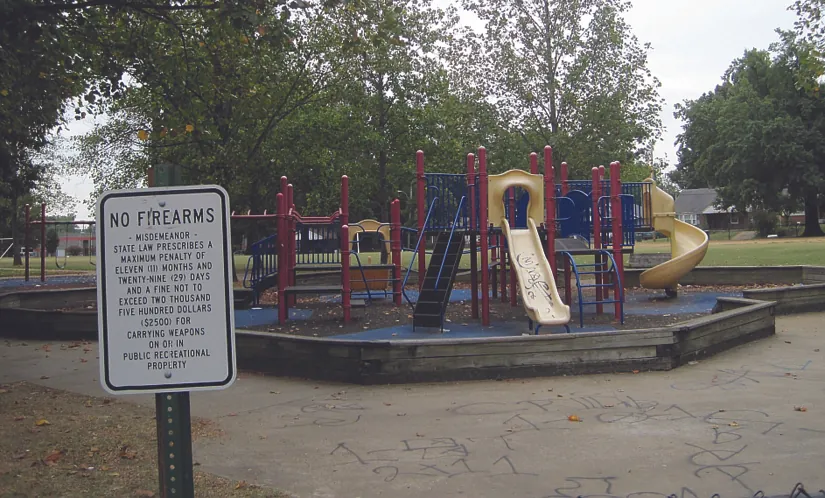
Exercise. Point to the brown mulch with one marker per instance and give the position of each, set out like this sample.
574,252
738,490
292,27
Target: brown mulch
56,443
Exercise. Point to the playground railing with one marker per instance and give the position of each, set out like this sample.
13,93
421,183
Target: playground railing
415,252
318,243
361,266
606,214
448,189
263,259
450,240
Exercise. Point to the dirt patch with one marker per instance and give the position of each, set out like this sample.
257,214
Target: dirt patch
56,443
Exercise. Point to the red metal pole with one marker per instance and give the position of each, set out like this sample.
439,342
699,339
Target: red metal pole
27,240
534,163
596,193
550,206
345,295
293,241
513,292
345,263
421,200
473,232
43,242
616,215
345,200
483,226
564,186
283,257
395,248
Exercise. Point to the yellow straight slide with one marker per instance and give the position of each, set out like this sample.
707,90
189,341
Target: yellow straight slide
688,244
536,280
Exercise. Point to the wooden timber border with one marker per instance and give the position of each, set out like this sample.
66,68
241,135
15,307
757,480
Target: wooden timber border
39,314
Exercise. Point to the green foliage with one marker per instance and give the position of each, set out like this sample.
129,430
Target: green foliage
566,73
759,133
765,222
52,241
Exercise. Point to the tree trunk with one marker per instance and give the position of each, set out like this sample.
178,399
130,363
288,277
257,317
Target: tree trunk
812,228
15,236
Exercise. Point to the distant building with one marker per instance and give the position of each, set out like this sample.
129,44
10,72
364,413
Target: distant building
698,207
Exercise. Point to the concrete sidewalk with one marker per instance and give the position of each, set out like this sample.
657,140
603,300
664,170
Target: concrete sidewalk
726,425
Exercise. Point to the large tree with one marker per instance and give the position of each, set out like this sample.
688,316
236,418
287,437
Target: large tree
565,72
760,133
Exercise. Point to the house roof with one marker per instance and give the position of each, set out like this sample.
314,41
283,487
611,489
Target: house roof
698,201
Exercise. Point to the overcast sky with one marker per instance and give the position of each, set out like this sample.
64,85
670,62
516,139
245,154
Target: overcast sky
694,41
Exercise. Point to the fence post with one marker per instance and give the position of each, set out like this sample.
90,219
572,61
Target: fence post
596,194
618,238
473,232
283,258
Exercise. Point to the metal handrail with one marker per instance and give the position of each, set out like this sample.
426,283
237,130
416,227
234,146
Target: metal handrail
415,252
450,240
611,269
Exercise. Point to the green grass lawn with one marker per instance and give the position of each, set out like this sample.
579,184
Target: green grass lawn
759,252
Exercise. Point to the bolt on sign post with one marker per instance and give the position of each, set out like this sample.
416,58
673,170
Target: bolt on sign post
165,308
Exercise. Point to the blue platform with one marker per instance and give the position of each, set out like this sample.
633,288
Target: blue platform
34,281
457,296
659,304
266,316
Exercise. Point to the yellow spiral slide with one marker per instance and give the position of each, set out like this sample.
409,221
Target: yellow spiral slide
688,244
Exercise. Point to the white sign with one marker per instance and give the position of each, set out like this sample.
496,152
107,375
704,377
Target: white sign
164,290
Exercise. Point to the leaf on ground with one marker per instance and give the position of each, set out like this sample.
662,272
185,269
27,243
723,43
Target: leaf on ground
240,485
800,409
41,422
44,377
83,360
53,457
127,453
574,418
733,424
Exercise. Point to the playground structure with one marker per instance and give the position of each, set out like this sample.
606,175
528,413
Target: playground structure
526,234
506,219
43,222
322,244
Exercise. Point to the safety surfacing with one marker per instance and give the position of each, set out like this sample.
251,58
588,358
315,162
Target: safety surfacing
35,283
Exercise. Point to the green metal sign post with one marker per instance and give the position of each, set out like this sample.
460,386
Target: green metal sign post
174,422
165,305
